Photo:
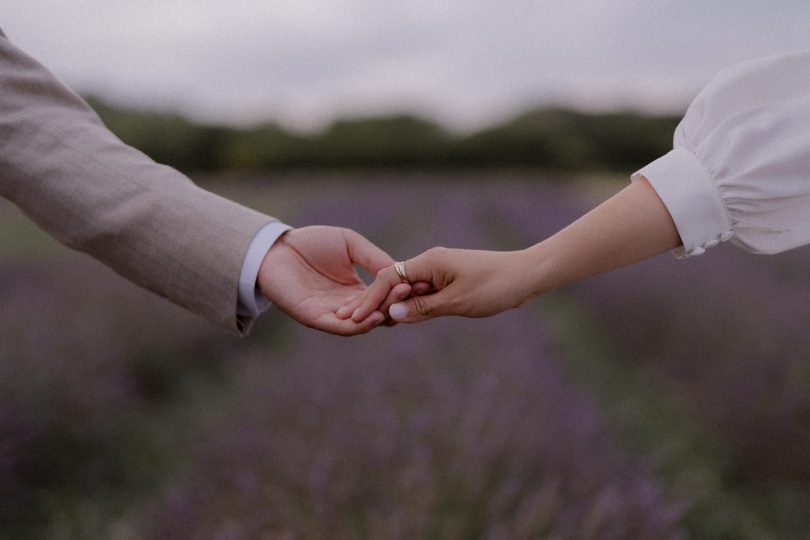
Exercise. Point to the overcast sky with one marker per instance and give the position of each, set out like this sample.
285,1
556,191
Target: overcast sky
464,62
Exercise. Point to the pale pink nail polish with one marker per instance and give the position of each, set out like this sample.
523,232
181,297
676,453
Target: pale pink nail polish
398,312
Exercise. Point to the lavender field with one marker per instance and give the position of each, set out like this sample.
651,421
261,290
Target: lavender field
669,400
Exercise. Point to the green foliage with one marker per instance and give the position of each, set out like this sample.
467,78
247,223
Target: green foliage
398,141
543,138
568,140
262,147
167,138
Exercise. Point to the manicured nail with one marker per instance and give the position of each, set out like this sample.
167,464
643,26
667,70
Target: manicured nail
356,311
378,318
398,312
343,312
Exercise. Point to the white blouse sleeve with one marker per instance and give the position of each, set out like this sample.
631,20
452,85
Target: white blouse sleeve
740,168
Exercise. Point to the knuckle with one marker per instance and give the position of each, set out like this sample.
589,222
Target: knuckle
420,306
436,253
456,305
352,235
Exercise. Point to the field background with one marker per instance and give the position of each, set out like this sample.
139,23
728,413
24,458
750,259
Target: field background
666,400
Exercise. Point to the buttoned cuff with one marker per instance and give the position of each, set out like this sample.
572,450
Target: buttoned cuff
252,302
688,192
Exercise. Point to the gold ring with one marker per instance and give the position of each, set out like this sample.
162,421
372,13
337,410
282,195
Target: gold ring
400,268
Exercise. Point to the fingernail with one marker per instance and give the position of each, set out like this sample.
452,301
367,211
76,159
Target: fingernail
378,318
342,312
356,311
398,312
404,294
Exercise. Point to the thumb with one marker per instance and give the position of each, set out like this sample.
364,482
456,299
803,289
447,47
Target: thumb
419,271
365,253
420,308
430,267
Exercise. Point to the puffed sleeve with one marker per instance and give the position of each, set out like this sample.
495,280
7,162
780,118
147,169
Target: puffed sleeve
740,167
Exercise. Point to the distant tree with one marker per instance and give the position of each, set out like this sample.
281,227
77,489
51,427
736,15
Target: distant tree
550,138
393,141
265,146
569,140
167,137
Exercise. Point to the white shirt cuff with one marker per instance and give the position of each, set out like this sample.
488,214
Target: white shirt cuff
251,301
688,192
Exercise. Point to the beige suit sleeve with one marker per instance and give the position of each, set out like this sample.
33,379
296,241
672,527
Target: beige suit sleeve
64,169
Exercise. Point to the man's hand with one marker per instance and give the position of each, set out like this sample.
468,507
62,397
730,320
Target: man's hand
308,274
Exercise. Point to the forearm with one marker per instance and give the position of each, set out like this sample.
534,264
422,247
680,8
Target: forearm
631,226
62,167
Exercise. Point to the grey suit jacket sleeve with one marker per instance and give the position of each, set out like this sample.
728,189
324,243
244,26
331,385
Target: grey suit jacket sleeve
64,169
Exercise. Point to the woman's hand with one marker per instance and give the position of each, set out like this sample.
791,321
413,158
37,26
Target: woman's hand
464,282
631,226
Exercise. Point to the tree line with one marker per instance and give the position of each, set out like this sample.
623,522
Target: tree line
546,138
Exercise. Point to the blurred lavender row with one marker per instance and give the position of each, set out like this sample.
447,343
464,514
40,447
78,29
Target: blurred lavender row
124,417
456,429
87,361
459,429
726,331
723,335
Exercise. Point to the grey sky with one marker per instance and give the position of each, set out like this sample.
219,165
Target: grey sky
466,62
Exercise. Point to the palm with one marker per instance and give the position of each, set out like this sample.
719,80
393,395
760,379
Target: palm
309,274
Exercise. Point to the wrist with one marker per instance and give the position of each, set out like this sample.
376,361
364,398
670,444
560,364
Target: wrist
252,301
540,269
272,276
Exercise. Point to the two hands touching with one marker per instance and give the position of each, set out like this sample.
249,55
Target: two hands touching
309,273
